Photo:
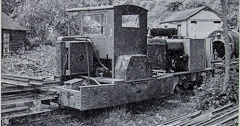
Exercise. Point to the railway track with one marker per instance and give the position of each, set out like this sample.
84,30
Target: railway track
26,96
226,115
23,96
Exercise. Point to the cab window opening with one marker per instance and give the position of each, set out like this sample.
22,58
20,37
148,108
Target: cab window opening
93,23
131,21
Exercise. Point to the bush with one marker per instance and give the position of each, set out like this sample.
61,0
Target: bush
34,42
208,95
38,62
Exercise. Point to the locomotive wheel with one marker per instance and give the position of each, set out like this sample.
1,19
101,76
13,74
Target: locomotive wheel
186,85
184,82
181,93
199,80
180,90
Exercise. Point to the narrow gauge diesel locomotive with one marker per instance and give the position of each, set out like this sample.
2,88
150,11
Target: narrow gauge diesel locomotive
110,62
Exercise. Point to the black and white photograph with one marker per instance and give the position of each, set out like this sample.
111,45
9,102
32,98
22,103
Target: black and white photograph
120,62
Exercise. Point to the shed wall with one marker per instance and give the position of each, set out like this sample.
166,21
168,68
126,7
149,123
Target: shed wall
17,39
204,26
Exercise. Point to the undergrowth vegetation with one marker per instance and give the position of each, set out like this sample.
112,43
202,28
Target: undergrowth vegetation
209,95
38,62
145,113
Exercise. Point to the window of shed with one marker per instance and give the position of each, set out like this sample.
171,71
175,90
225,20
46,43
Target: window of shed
194,22
93,24
131,21
216,22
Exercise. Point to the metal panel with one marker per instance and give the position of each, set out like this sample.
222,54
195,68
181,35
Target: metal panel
132,67
197,54
61,58
72,57
129,41
100,96
157,55
209,52
69,98
78,57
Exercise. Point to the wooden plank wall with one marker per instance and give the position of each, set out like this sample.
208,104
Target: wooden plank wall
17,38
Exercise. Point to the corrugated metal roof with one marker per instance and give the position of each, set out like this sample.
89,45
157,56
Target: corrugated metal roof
10,24
184,15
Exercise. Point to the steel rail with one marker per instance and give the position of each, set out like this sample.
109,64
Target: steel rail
218,116
226,115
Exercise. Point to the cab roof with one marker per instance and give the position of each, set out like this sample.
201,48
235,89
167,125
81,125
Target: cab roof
100,8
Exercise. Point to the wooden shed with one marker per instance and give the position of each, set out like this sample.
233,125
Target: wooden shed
13,35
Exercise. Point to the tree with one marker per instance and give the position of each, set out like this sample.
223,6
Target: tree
232,12
238,21
227,51
174,6
47,19
9,6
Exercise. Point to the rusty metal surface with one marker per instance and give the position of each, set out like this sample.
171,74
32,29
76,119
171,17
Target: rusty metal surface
157,55
72,56
73,83
107,95
100,96
117,92
197,58
132,67
69,97
128,40
61,58
78,57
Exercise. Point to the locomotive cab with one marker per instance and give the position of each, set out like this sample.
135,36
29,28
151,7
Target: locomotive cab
103,40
